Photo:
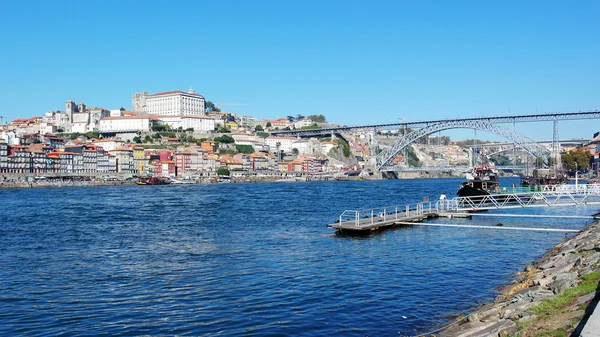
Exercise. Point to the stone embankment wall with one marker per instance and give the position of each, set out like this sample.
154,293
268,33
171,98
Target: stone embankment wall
558,270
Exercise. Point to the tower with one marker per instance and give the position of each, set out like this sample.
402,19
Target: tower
70,109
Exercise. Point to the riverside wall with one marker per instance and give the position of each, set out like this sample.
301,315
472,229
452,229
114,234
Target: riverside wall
559,269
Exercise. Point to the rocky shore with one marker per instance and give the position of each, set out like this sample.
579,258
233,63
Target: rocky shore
552,297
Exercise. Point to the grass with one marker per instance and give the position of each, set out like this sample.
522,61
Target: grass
556,333
550,306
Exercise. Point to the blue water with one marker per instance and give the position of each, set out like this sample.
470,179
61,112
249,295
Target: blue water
247,259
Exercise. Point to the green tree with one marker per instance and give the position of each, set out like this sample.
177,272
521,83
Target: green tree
259,128
210,106
578,159
317,118
137,139
225,139
310,127
268,124
246,149
345,147
147,139
222,171
412,159
160,127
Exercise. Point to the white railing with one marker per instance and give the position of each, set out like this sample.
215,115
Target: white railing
551,195
372,216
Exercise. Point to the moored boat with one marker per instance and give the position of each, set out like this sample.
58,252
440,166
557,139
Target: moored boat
154,181
543,177
483,180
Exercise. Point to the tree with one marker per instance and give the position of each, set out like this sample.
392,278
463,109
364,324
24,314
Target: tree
147,139
160,127
345,147
539,161
269,124
245,149
578,159
225,139
137,139
317,118
259,128
210,106
222,171
290,118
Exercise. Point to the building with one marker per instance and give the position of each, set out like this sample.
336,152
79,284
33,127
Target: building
280,144
124,161
3,155
83,119
109,144
198,123
125,124
280,123
169,103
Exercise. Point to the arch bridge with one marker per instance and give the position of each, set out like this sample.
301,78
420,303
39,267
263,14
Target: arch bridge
423,128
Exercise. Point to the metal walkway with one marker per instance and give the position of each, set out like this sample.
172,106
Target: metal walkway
549,196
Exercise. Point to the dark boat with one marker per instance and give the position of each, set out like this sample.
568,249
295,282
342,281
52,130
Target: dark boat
482,181
154,181
542,177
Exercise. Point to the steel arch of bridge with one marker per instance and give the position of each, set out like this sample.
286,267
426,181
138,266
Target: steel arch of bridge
387,155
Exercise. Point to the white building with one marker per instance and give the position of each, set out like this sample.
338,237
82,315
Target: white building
116,113
125,123
282,143
303,123
198,123
109,144
170,103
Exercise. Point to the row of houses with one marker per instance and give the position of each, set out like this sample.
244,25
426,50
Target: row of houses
133,159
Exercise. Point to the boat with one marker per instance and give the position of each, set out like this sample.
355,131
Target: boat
482,180
154,181
543,177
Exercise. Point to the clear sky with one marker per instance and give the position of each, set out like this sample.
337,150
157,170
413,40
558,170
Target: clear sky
356,62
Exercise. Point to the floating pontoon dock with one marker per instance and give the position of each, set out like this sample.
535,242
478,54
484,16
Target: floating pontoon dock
365,221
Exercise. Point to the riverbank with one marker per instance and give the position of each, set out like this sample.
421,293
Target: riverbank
552,297
23,183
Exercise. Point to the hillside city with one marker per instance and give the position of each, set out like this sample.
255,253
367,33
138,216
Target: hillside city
181,135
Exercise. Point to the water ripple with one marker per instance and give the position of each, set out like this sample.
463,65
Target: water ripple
252,259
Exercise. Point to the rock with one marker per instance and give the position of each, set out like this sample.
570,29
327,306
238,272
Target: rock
563,282
585,298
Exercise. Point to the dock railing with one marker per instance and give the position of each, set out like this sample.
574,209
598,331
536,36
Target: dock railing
550,195
390,213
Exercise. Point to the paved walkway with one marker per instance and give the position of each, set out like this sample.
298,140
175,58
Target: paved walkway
592,326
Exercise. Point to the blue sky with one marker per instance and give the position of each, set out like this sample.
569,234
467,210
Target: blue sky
356,62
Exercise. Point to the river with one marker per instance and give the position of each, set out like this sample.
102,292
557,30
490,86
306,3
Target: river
247,259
